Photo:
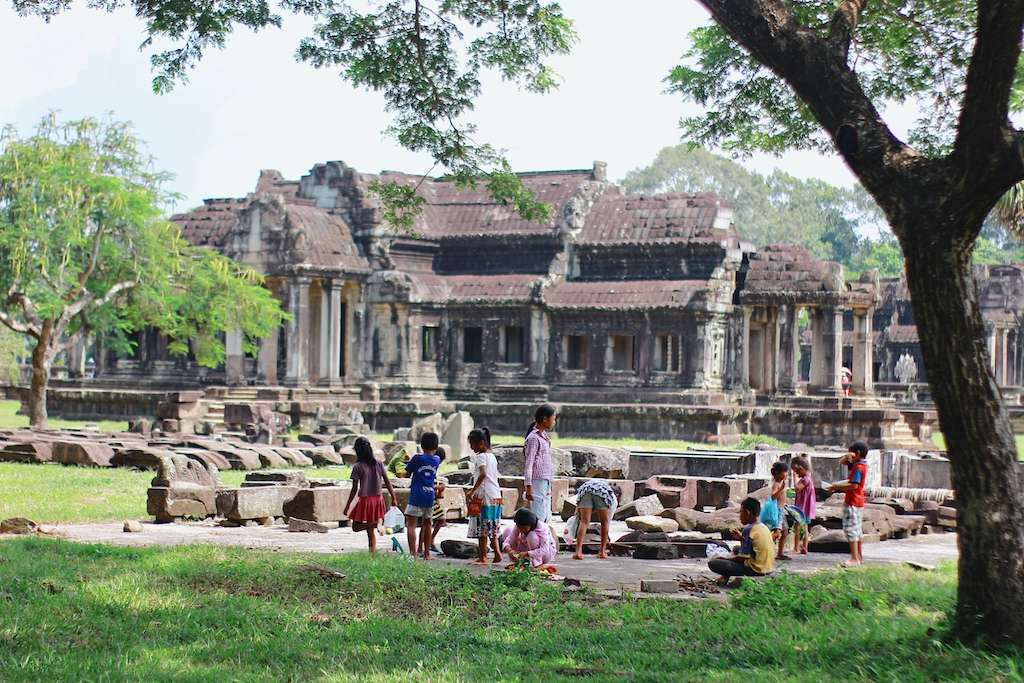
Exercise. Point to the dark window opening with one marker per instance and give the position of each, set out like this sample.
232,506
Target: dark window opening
472,345
576,352
622,349
515,344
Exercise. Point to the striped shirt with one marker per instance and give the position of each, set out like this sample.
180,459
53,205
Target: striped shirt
537,452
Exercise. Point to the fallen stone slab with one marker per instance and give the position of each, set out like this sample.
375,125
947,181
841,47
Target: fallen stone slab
173,468
139,458
687,519
82,453
294,457
207,459
652,523
647,505
183,500
599,461
279,477
297,525
18,525
656,551
512,462
37,452
243,504
323,455
659,586
321,504
460,550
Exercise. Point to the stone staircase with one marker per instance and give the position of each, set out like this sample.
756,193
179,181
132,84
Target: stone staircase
903,436
215,404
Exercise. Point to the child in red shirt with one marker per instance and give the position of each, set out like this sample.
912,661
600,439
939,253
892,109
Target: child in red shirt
853,505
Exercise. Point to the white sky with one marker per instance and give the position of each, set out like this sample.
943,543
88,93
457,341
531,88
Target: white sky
253,106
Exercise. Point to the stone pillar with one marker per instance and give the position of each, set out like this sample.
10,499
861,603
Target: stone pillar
1004,371
745,350
267,359
297,366
863,353
789,349
827,355
76,358
816,378
992,349
540,332
234,364
334,341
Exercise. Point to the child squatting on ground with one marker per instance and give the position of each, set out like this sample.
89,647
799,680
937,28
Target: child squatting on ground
367,476
530,539
422,470
484,499
755,555
853,503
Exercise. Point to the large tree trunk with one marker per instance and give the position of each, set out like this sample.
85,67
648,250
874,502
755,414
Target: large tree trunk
42,359
978,435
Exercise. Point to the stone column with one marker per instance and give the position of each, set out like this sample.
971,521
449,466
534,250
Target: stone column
76,358
234,364
745,350
267,359
297,367
992,349
816,378
827,356
789,349
863,353
333,292
1004,358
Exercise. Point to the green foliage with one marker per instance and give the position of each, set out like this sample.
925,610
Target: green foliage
884,256
12,350
749,441
769,209
83,248
905,52
207,613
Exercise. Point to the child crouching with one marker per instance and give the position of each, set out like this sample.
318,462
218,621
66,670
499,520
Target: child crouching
530,539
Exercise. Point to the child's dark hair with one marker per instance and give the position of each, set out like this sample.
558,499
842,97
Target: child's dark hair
779,468
801,462
542,413
525,517
364,450
752,506
860,448
429,441
440,452
478,436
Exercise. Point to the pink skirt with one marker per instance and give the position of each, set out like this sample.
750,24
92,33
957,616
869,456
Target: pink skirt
368,509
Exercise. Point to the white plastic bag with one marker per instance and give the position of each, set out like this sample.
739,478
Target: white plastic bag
394,520
714,550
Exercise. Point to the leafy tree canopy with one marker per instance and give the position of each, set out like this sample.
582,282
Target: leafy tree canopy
84,248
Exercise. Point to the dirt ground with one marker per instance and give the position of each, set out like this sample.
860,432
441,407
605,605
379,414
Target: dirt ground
613,574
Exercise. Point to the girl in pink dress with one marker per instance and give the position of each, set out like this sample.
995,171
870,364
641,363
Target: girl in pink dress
530,538
806,501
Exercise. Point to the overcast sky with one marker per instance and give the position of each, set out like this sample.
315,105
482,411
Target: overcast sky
252,106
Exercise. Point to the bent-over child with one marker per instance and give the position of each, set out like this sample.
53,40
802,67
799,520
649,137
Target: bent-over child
367,476
597,496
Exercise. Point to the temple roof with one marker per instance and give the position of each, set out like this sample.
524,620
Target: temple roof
464,289
628,294
616,218
322,239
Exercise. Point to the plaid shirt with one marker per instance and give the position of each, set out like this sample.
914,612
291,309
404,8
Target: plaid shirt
539,463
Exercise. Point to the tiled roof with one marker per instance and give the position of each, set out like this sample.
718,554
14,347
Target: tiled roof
627,294
619,218
453,211
473,288
209,225
322,239
901,333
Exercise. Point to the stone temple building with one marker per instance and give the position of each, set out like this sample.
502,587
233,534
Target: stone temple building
653,303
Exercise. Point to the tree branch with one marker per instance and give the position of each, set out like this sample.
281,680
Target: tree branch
90,300
984,118
21,328
28,309
844,21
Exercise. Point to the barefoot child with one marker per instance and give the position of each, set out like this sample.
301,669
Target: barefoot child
367,475
805,501
773,511
437,511
853,503
754,556
422,469
530,538
487,493
595,495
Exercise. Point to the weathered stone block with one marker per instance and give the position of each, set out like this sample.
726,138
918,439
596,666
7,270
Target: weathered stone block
652,523
455,431
321,504
282,477
431,423
207,459
461,550
82,453
659,586
647,505
183,499
656,551
255,503
304,526
139,458
599,461
294,457
512,462
173,468
38,451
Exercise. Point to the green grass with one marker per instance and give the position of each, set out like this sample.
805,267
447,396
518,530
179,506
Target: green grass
940,442
10,419
84,612
54,493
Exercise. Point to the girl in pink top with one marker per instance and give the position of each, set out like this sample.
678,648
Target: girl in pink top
530,538
805,500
